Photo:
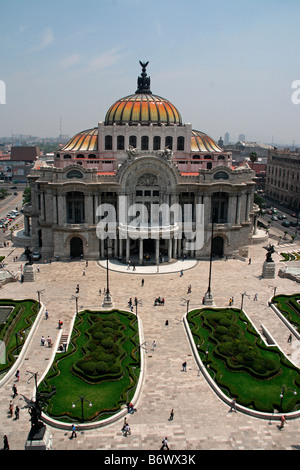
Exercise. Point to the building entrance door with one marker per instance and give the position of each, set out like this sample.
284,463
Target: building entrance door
76,247
218,246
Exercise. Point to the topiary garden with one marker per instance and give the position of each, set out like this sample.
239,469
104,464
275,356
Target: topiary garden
239,361
102,363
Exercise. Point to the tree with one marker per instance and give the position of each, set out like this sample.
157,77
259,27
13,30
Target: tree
253,158
26,196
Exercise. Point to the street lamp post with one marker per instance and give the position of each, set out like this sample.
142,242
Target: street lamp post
208,298
107,301
242,302
284,388
81,399
76,297
136,306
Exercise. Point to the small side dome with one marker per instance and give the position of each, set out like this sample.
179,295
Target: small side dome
85,141
201,142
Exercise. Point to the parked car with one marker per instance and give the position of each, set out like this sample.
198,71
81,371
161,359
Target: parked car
293,223
285,223
36,255
294,214
280,217
274,217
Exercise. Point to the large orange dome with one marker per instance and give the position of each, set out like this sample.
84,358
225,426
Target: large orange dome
144,109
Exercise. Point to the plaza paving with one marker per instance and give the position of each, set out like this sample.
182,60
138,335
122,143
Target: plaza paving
201,421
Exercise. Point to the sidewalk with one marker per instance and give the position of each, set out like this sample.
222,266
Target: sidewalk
201,420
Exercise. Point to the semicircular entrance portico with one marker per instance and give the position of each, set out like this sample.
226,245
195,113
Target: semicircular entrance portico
148,231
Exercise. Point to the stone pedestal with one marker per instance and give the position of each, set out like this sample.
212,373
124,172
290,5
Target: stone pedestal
107,301
29,273
39,439
268,270
208,299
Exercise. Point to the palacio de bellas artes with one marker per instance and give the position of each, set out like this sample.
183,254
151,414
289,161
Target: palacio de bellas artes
142,187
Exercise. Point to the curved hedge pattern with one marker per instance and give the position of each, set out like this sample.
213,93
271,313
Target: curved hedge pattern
102,363
240,362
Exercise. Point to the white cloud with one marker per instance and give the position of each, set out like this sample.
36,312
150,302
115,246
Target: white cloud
69,61
46,39
105,60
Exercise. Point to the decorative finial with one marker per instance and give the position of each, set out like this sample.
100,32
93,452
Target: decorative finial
143,81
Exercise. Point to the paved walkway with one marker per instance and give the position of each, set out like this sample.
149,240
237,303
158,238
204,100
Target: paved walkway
201,420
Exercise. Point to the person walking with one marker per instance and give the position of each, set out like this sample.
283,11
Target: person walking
233,405
165,444
74,434
171,415
5,443
184,367
15,391
11,408
18,375
17,412
282,422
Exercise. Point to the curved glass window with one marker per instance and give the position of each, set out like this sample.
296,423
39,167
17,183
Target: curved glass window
74,174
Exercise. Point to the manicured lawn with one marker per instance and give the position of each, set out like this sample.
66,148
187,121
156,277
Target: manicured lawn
102,364
289,307
240,362
16,327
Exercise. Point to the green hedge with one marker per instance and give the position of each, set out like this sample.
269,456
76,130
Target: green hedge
16,328
239,361
107,375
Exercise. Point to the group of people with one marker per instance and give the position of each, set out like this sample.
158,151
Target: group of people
159,301
48,341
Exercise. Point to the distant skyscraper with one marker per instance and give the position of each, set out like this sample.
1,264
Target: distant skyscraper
242,137
226,138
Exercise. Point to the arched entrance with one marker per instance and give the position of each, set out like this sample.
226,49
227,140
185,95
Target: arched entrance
76,247
218,246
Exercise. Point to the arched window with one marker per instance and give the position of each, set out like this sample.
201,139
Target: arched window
145,142
108,142
169,142
67,157
132,141
156,142
92,155
180,143
80,155
120,142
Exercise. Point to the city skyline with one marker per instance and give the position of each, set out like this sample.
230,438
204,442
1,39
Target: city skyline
227,66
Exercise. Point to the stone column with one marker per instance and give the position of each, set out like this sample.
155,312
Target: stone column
238,210
127,249
248,202
120,247
157,251
141,242
27,225
170,249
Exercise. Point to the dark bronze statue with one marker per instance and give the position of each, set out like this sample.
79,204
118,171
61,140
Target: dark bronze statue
270,250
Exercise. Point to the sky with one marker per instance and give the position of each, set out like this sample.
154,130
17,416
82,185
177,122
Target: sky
227,65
